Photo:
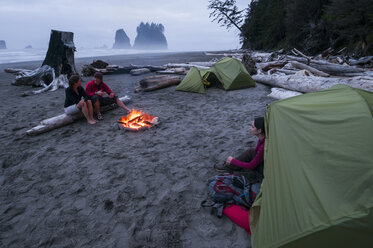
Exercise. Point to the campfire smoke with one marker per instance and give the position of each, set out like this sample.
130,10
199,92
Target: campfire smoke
137,120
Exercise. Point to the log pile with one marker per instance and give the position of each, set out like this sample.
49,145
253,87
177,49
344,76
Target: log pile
170,68
297,73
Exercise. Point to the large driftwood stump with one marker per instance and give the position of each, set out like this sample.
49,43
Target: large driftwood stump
60,54
57,67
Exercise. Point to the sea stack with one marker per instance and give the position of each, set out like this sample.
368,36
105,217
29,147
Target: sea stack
121,40
150,36
2,44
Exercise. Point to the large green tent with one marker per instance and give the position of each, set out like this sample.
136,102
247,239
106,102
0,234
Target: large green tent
318,176
227,72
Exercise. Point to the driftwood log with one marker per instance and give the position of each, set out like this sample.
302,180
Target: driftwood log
311,84
179,71
279,93
89,70
157,82
327,67
137,72
39,77
63,120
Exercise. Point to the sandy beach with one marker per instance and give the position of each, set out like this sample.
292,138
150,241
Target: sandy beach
96,186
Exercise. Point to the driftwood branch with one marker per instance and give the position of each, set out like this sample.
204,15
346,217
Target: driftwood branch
41,76
63,120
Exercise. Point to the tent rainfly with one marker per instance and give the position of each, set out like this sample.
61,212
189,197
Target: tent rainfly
227,72
318,176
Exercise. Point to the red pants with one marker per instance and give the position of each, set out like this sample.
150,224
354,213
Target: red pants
238,216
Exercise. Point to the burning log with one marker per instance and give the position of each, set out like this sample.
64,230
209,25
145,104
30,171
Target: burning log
157,82
63,120
137,121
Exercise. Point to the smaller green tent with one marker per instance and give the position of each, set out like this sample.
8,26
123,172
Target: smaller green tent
227,72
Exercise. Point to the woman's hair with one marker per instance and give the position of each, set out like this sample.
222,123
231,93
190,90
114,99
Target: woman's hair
73,80
259,124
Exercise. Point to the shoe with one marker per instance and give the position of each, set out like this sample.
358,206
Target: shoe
99,117
223,167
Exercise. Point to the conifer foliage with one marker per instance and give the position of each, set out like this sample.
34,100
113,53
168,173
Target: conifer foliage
311,26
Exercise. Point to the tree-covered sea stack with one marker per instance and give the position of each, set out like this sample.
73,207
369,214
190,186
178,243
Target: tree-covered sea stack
150,36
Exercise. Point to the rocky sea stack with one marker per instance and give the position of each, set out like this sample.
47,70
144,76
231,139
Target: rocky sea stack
2,44
150,36
121,40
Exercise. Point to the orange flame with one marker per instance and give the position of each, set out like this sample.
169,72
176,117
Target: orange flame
136,119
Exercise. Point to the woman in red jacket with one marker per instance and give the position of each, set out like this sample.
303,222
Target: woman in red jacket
251,160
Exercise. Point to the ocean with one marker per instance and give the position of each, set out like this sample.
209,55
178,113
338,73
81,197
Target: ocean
24,55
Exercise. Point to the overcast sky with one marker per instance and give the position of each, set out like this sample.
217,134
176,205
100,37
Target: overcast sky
187,23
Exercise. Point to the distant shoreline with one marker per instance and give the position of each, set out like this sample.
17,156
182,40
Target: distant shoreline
9,56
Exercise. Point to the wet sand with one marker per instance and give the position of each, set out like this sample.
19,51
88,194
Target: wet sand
96,186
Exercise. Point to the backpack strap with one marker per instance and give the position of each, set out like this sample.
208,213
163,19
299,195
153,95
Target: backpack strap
216,208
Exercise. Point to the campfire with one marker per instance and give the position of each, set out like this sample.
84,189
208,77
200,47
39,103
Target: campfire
137,120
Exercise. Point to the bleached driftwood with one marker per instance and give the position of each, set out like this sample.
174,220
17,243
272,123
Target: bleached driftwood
284,71
89,70
270,65
279,93
140,71
311,84
361,61
157,82
63,119
58,64
309,68
327,67
185,65
43,76
59,82
179,71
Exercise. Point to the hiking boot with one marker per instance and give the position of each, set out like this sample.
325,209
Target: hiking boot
223,167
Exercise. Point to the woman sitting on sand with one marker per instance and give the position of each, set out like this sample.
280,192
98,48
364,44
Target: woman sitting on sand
76,101
251,160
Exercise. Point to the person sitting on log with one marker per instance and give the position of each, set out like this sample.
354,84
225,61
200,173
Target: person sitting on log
77,101
252,160
96,89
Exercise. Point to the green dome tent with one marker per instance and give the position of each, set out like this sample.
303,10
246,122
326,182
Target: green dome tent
318,185
227,72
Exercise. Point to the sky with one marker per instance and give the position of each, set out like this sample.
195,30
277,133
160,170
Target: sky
94,23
